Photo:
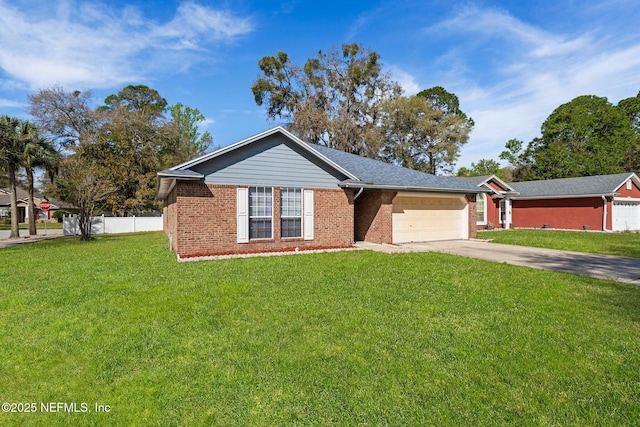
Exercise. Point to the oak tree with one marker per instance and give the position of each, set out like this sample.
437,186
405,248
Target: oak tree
335,99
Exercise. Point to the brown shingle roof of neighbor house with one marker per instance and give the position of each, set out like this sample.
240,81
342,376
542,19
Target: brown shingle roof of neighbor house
599,185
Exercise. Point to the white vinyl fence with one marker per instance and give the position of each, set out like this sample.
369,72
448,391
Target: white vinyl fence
110,225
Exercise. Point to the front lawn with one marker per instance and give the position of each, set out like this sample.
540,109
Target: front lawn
39,226
345,338
620,244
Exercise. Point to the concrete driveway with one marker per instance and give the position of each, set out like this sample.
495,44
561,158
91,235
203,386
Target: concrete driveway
622,269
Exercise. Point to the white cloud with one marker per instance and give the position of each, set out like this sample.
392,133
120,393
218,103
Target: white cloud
93,45
206,123
7,103
529,73
408,82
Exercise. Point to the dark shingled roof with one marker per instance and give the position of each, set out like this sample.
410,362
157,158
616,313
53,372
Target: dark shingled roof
362,172
375,172
473,180
576,187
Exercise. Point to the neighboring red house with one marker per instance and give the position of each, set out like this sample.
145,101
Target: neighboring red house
604,202
274,192
493,209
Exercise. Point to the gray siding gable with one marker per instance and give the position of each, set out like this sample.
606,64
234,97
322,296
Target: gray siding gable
273,161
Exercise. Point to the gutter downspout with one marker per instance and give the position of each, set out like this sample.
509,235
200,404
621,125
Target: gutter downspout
358,193
604,214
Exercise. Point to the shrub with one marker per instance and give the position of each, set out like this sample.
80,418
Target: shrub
59,214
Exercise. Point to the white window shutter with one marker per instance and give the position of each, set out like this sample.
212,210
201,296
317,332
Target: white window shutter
308,215
242,204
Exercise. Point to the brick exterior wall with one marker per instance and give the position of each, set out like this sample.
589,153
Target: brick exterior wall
206,222
473,226
374,211
169,218
560,213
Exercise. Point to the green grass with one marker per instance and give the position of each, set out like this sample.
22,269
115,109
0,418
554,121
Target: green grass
348,338
39,226
620,244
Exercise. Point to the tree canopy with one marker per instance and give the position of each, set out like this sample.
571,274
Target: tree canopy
485,167
336,99
584,137
344,100
425,131
114,151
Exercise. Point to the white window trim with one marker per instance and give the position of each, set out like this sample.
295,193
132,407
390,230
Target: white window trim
250,217
293,217
629,185
484,220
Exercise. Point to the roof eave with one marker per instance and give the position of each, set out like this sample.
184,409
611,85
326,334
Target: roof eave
166,182
570,196
372,186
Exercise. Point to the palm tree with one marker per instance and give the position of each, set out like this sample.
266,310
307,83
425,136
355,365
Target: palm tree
37,152
10,157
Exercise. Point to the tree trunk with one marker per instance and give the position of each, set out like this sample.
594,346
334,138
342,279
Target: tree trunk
15,228
31,207
84,218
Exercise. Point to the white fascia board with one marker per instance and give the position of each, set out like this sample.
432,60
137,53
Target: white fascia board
500,182
574,196
631,176
412,188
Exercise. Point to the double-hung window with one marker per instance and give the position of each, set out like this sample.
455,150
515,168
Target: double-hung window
260,212
291,212
481,208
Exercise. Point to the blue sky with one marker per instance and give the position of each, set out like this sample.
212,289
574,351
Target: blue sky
511,63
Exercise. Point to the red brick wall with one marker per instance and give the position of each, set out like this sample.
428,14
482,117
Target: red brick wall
169,218
559,213
373,216
207,222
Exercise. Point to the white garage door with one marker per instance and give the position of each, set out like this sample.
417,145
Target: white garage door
423,219
626,215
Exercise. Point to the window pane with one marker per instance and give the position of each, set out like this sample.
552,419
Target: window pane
291,227
480,206
291,212
290,202
260,228
260,212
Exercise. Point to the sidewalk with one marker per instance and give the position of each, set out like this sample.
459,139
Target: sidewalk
24,237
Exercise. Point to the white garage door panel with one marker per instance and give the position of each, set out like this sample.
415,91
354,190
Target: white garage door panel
422,219
626,215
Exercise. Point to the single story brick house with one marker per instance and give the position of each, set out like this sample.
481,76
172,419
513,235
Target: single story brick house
493,209
274,192
603,202
23,203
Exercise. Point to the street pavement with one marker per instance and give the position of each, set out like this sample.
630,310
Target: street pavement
24,237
